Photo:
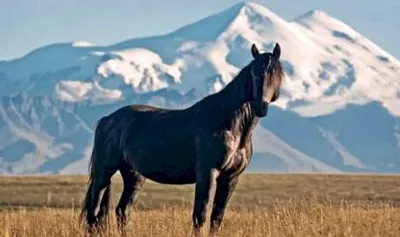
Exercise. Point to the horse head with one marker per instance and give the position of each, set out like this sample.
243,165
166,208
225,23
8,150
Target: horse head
266,75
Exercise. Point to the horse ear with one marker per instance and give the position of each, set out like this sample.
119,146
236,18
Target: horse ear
277,51
254,51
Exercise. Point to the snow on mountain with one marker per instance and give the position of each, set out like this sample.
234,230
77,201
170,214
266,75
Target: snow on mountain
329,64
352,69
82,43
336,81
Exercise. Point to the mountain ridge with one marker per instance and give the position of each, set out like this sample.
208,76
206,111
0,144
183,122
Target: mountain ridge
244,23
337,82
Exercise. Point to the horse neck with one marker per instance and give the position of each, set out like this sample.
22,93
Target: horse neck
231,105
236,93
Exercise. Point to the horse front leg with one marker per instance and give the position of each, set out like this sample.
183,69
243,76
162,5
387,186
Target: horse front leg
225,188
203,187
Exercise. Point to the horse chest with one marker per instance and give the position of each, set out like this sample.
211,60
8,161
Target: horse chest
235,140
237,155
231,142
236,162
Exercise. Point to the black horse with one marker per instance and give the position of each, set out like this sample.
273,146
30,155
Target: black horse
212,139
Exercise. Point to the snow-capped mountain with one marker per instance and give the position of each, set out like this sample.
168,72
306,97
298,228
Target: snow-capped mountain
338,111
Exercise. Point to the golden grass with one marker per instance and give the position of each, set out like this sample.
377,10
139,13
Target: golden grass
263,205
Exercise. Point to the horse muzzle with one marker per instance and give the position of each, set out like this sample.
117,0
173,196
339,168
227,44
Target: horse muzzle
260,109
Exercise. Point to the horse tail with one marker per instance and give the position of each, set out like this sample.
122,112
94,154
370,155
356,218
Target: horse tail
86,201
94,168
97,144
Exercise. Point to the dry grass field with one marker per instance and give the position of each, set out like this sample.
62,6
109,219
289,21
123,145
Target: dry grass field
263,205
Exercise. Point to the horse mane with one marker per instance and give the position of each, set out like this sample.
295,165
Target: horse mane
277,76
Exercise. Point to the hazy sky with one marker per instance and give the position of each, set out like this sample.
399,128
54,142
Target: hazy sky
29,24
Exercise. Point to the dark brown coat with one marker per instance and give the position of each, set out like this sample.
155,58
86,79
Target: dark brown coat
209,140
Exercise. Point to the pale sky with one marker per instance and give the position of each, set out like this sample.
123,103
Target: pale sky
28,24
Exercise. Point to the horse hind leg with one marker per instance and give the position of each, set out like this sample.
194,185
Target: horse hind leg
133,182
104,205
102,167
98,190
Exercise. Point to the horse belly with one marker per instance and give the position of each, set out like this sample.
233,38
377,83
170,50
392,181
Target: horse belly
165,164
162,150
173,176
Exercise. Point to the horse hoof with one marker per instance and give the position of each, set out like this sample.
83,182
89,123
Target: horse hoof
196,231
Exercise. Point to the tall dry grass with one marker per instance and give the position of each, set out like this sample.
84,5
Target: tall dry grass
263,205
294,218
